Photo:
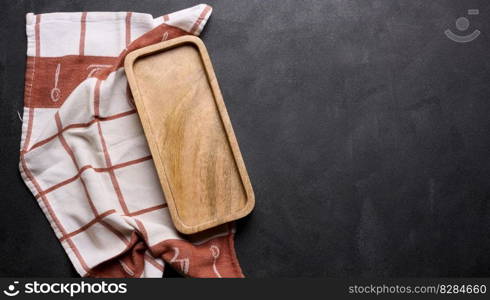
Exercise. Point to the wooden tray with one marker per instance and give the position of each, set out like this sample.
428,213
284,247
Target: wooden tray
194,148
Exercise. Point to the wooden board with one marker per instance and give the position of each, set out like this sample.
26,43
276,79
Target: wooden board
191,139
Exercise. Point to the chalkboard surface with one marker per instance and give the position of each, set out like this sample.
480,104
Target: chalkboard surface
364,128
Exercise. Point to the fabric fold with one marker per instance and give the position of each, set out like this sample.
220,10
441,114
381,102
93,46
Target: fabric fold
84,155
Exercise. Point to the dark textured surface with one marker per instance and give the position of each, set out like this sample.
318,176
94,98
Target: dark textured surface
364,129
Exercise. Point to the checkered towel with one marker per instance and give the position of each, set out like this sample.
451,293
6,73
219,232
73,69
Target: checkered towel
84,155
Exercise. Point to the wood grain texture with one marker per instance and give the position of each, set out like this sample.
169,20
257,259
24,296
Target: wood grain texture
194,148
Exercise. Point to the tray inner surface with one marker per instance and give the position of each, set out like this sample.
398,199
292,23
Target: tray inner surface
189,132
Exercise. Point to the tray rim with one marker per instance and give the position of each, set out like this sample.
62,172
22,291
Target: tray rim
129,62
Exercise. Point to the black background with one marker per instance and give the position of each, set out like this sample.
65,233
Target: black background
364,129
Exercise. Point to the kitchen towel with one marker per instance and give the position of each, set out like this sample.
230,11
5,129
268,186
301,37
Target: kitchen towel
84,155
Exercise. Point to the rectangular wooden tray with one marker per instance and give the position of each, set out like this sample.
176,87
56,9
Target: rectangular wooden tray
191,139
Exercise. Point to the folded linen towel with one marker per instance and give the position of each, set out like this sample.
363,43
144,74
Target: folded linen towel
84,155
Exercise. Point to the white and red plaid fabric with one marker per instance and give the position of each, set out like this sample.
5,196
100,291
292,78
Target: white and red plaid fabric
84,155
